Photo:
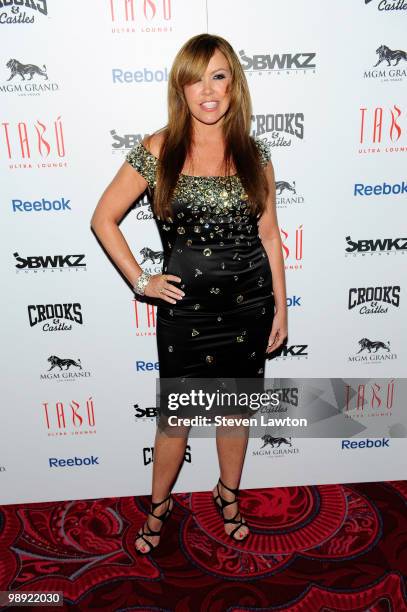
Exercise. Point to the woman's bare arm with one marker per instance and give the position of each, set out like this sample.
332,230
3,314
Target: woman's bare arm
124,189
269,233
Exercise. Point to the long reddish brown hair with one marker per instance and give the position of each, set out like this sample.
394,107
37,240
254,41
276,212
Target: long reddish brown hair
188,67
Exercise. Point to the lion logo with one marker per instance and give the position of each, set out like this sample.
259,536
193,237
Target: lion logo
284,186
17,67
366,344
268,439
387,55
58,362
150,255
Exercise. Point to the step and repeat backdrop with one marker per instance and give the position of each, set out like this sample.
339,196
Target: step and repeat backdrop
80,84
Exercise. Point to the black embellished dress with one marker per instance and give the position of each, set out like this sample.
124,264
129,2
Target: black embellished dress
221,326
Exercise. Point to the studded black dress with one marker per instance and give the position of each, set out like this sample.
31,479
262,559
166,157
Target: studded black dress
221,326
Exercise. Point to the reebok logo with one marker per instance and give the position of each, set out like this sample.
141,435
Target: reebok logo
383,189
73,461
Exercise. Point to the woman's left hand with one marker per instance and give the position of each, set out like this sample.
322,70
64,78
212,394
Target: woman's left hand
278,332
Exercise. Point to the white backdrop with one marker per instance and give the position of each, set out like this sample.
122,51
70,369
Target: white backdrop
98,84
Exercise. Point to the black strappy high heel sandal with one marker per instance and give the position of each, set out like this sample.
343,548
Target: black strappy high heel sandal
225,503
162,517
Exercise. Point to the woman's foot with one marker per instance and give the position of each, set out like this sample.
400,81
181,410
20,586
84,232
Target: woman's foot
153,523
229,512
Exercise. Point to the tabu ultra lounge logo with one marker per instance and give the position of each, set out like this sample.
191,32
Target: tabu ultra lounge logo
145,318
373,399
148,16
381,130
292,245
37,145
69,418
22,11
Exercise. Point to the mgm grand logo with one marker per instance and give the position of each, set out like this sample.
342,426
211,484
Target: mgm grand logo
391,65
275,447
287,194
372,351
27,79
64,369
152,260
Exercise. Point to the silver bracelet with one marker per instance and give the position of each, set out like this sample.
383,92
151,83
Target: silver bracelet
141,283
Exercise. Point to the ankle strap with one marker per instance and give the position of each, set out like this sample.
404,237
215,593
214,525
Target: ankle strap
156,504
235,491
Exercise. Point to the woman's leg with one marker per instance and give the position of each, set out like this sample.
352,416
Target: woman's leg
231,444
168,454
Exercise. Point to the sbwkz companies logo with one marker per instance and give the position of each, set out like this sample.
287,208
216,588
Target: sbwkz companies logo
292,243
53,316
27,79
148,454
150,16
124,143
15,13
144,414
382,130
373,399
279,128
373,300
64,369
278,63
69,419
274,447
375,246
37,145
53,263
287,194
389,5
389,70
372,351
292,351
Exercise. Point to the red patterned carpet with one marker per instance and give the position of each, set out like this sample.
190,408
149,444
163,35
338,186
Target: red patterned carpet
317,548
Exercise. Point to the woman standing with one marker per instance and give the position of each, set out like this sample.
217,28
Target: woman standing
222,294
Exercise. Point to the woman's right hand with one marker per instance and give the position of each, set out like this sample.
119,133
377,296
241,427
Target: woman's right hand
159,287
